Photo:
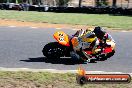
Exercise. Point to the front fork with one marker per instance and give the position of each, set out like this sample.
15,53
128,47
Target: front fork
86,58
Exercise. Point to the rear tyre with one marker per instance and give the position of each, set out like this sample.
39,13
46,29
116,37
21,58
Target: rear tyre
53,50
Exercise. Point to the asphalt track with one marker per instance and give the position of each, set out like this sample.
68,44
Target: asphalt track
20,47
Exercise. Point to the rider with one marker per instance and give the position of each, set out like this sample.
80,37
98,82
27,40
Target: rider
84,40
99,37
103,36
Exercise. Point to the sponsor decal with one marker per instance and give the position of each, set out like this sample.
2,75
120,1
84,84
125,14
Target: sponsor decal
83,78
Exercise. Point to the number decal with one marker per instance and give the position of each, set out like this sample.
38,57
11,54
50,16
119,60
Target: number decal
61,37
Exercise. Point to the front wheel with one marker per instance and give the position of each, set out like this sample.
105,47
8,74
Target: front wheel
53,50
103,57
110,54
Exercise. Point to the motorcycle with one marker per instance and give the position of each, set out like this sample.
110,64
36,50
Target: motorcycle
65,47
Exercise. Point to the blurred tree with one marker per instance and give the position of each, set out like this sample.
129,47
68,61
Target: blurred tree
114,3
30,2
102,2
62,2
16,1
1,1
80,3
11,1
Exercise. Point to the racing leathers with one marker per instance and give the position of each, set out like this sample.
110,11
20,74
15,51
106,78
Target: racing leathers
84,40
103,37
89,40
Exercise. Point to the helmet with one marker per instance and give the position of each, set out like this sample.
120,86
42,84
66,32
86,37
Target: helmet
99,32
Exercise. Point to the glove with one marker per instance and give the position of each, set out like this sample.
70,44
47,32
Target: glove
97,51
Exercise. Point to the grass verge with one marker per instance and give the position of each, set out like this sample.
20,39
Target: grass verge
104,20
47,80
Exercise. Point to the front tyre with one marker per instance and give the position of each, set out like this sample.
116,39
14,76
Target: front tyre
110,54
53,50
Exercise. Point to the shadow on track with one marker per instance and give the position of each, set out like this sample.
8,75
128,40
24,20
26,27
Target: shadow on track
65,61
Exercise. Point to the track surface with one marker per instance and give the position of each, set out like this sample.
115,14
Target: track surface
20,47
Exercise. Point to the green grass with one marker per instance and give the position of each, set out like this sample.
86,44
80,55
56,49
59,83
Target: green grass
47,80
105,20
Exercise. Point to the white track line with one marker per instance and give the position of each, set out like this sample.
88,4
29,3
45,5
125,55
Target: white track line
75,29
34,27
58,71
11,26
58,28
124,31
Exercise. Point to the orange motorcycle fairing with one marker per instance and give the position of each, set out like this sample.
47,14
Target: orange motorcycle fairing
62,38
74,41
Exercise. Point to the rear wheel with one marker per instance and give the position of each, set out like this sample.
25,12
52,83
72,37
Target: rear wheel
53,50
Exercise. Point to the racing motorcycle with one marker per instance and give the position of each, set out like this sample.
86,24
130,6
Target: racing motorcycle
65,47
